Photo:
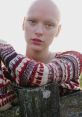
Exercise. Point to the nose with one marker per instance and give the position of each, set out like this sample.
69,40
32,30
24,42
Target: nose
39,30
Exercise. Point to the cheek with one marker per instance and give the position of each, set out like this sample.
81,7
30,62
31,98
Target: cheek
50,37
27,30
28,33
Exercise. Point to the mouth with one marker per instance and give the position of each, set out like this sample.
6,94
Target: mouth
37,41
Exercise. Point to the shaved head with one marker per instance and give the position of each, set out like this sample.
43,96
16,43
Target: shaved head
42,22
45,5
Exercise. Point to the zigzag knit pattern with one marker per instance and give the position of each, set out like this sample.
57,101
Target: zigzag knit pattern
6,94
64,69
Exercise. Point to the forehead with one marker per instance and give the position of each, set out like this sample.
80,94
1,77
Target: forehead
44,10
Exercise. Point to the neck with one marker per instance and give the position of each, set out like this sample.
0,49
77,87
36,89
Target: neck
38,56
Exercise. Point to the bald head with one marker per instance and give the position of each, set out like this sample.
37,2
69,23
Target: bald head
45,6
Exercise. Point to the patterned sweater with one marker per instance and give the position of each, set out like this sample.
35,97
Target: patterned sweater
64,69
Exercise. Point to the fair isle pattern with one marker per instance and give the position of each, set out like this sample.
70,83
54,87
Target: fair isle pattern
75,59
66,67
7,53
7,98
28,70
76,64
7,95
42,74
51,73
37,73
15,62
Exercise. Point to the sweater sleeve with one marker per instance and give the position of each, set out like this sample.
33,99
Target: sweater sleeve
24,70
70,67
7,95
64,69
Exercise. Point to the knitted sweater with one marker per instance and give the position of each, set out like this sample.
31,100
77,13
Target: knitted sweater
64,69
7,94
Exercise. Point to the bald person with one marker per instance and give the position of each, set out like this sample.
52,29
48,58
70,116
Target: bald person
41,26
39,66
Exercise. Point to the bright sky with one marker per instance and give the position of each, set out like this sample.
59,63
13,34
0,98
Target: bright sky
11,18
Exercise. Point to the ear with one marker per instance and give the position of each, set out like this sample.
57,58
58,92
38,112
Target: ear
23,25
58,30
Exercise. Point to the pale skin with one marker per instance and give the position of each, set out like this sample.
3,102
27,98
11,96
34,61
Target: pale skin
41,25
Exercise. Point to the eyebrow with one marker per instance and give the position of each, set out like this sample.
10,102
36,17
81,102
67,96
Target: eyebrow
54,22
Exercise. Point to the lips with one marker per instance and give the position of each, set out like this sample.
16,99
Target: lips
37,41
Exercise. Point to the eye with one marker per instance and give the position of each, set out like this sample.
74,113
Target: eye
49,25
32,22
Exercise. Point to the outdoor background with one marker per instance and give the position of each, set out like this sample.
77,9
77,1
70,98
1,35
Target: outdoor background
11,17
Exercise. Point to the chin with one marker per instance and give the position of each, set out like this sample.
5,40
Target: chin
36,48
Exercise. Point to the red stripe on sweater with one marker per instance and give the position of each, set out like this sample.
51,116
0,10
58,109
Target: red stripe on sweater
31,79
16,64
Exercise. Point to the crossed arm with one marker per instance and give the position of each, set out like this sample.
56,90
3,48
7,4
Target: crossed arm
64,69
